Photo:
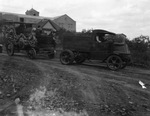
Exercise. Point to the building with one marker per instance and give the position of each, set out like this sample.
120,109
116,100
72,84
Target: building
47,26
20,17
9,17
32,16
0,16
32,12
65,22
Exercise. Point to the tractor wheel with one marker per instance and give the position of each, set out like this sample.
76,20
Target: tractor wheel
10,48
79,59
31,53
66,57
114,62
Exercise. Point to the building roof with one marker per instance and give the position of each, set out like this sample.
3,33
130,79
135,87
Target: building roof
33,10
53,18
22,15
103,31
37,17
43,22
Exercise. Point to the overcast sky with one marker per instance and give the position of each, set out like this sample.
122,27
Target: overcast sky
131,17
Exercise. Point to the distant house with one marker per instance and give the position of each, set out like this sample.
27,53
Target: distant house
32,12
48,26
66,22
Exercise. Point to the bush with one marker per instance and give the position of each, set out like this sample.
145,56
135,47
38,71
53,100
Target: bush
140,50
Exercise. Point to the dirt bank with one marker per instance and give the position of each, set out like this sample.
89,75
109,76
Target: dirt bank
87,89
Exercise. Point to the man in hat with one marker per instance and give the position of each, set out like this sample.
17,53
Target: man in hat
32,37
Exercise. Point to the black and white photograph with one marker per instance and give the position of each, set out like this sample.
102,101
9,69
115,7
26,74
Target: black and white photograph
74,58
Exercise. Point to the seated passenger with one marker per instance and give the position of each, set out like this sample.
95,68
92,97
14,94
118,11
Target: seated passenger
32,37
20,29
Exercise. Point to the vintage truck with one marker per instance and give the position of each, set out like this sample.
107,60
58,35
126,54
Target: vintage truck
100,45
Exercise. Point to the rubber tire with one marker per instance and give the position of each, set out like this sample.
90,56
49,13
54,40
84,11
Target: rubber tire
116,62
31,53
66,57
10,52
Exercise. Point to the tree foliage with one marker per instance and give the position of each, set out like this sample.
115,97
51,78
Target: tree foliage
140,50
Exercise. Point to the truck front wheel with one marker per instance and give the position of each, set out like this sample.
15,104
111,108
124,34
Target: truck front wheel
66,57
114,62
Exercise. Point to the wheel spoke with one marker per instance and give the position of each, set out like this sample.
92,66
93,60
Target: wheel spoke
66,57
114,62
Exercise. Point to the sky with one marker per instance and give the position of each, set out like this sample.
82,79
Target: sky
131,17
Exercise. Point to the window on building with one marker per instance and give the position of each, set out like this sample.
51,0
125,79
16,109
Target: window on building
65,18
21,19
61,24
70,25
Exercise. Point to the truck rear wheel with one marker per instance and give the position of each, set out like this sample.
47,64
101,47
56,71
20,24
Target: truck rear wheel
66,57
114,62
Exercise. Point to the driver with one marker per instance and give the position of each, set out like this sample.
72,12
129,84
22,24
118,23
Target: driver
33,34
108,38
32,37
98,39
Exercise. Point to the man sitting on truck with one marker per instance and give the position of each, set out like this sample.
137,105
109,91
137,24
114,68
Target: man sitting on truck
107,40
100,38
104,38
32,38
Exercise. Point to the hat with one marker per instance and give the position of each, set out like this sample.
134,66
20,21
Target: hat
33,29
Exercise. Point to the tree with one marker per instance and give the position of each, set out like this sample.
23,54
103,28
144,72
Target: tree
141,43
140,50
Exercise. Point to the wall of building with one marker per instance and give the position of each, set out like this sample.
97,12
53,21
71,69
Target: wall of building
11,17
66,22
31,20
0,16
32,12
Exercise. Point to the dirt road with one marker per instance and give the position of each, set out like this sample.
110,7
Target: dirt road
44,85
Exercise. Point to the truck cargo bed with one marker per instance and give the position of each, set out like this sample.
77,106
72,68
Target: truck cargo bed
78,43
